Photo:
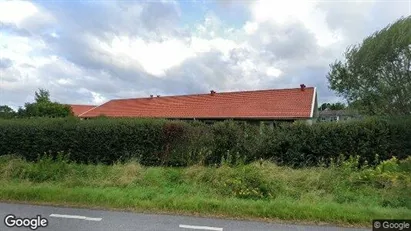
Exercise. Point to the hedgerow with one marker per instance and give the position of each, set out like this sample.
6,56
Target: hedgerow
177,143
301,145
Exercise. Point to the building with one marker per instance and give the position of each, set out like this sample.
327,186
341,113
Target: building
78,109
328,115
252,106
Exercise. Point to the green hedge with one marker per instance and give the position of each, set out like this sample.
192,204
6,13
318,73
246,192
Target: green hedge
176,143
100,140
371,139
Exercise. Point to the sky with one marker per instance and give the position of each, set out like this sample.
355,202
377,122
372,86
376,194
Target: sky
89,52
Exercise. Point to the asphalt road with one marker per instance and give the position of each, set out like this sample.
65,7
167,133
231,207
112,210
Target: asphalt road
70,219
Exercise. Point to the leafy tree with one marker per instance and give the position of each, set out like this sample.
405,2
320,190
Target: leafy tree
43,107
7,112
334,106
337,106
375,76
324,106
42,96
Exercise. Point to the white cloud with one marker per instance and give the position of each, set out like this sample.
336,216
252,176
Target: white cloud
54,35
15,12
24,15
64,81
250,27
157,57
272,71
19,48
286,12
281,11
199,45
98,98
154,57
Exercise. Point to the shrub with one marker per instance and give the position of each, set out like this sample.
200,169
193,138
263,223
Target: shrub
246,181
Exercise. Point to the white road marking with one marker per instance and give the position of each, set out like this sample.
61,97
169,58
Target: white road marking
76,217
201,227
93,219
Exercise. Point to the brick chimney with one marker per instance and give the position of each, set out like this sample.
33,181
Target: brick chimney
302,87
212,92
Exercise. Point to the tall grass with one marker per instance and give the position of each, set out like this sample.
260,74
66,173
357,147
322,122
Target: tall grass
343,193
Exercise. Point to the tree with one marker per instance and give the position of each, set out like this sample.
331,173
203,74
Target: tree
43,107
375,76
334,106
324,106
42,96
7,112
337,106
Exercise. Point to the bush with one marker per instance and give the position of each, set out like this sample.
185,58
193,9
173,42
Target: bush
248,183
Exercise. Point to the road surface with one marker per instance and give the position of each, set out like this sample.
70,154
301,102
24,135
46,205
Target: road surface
71,219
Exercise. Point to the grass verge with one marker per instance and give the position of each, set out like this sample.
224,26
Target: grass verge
340,195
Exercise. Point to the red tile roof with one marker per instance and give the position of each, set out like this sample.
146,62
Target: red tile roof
80,109
261,104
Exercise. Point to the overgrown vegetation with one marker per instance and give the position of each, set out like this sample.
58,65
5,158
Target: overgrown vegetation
341,193
374,76
177,143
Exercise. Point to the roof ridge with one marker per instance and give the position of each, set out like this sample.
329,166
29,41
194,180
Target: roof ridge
96,106
81,105
203,94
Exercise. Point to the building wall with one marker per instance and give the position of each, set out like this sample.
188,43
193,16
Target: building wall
335,118
310,121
